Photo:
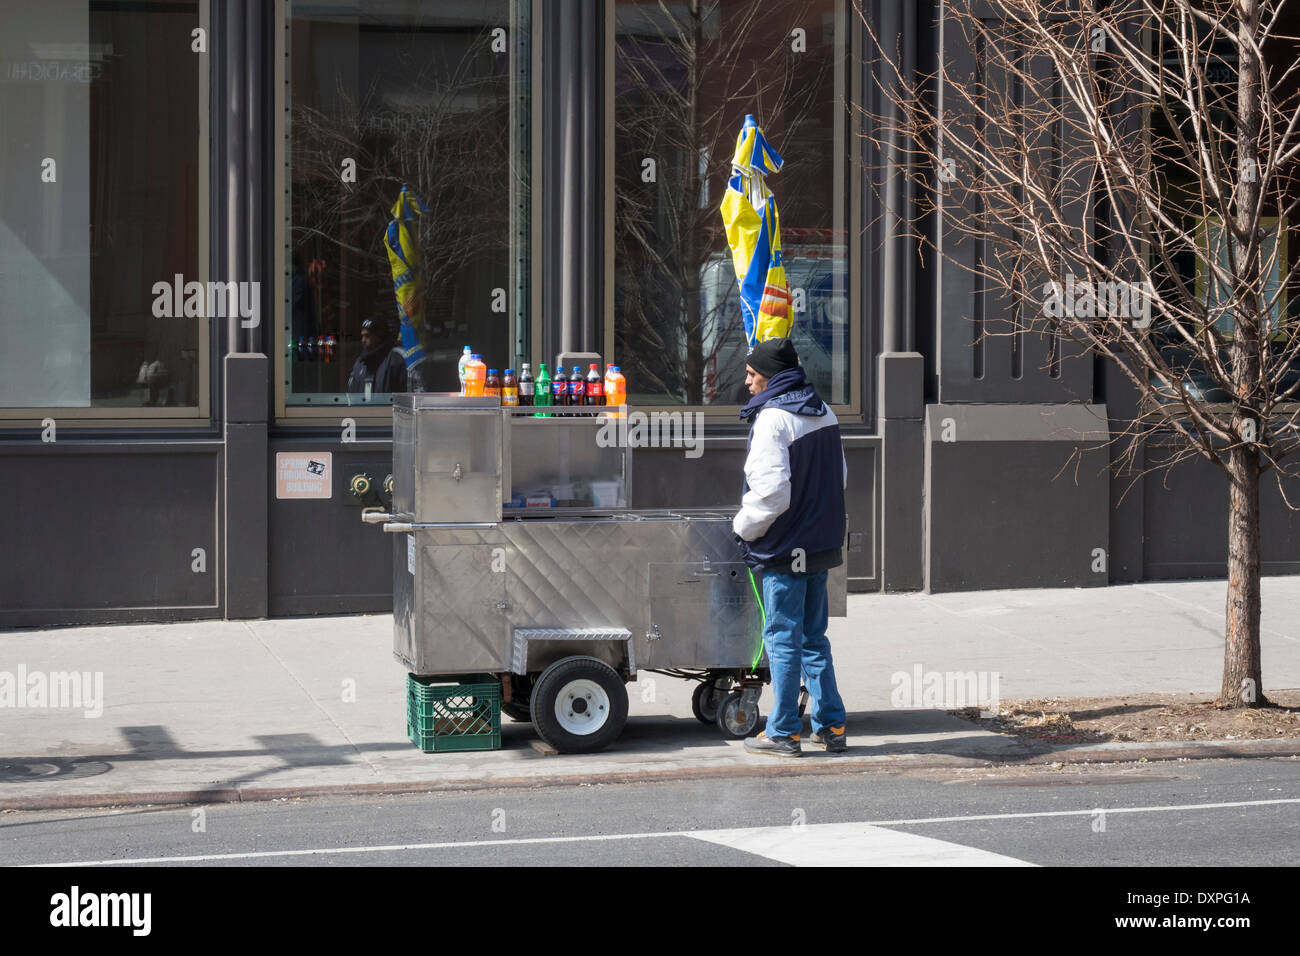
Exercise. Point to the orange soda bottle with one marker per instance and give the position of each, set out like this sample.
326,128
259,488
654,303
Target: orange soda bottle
615,388
475,377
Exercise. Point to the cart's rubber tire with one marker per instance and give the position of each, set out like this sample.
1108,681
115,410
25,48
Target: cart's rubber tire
517,711
735,722
579,705
704,703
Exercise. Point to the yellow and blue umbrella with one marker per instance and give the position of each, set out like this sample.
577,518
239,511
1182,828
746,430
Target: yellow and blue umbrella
408,276
753,229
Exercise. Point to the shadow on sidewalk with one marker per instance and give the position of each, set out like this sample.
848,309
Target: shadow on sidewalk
871,734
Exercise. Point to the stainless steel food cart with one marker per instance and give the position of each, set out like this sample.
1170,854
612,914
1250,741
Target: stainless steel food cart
516,554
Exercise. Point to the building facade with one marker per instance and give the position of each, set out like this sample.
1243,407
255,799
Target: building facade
194,204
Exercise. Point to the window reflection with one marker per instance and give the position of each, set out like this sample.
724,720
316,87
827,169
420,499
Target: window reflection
427,95
685,77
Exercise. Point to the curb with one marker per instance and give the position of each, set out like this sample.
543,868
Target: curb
1127,752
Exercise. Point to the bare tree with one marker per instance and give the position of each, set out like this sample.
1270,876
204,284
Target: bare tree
688,74
1137,196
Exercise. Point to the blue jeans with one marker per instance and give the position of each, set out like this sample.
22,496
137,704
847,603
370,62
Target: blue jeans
795,639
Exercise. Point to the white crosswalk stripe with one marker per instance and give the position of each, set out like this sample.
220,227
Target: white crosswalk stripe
852,844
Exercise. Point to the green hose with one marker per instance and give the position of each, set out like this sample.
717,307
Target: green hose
762,615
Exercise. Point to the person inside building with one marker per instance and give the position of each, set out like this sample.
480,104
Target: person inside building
791,525
381,364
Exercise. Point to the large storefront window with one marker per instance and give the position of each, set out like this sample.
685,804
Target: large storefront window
99,203
686,75
431,95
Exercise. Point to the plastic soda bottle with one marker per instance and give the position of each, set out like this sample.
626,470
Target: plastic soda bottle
510,389
475,377
560,386
542,396
615,388
492,384
595,392
526,386
460,368
577,387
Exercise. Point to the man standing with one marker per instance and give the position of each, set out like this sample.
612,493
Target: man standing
791,526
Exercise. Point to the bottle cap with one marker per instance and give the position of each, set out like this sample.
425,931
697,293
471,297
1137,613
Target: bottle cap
493,371
467,348
510,371
594,368
477,356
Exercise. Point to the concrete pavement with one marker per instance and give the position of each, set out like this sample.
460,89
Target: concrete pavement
219,711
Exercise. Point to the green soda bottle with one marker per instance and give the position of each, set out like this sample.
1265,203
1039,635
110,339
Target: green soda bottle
542,392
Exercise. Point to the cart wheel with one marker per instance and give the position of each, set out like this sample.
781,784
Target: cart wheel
579,705
704,703
517,711
736,718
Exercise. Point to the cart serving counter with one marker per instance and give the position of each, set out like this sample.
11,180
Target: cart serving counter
516,556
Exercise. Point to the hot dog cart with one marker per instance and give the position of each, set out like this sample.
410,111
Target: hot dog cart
516,555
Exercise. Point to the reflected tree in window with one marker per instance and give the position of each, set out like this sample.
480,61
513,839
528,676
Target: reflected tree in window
434,109
686,75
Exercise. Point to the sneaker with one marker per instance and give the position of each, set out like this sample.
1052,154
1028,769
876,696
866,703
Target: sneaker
774,746
833,741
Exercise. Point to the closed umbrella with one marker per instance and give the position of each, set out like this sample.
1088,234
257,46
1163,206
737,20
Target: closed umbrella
403,246
753,228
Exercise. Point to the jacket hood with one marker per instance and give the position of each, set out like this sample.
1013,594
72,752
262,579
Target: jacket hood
789,390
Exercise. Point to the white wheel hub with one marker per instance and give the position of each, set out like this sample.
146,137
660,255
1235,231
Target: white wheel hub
582,707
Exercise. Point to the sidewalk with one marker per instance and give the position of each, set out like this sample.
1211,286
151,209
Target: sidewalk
222,711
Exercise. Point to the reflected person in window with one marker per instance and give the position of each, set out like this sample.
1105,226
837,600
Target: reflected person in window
381,364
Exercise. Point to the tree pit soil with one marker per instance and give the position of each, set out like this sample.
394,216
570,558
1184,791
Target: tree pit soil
1143,718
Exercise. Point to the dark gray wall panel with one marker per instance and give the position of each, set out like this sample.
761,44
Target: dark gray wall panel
1001,513
1186,514
902,471
986,352
322,558
98,535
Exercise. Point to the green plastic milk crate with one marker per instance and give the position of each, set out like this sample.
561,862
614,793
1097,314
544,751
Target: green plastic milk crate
453,713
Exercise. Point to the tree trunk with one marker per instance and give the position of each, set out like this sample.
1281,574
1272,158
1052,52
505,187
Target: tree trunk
1242,685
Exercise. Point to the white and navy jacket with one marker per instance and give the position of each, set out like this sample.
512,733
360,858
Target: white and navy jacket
795,476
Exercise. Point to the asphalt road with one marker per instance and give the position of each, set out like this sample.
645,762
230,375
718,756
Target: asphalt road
1220,813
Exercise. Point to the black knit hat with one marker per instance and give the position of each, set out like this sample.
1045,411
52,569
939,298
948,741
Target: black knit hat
772,356
381,327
